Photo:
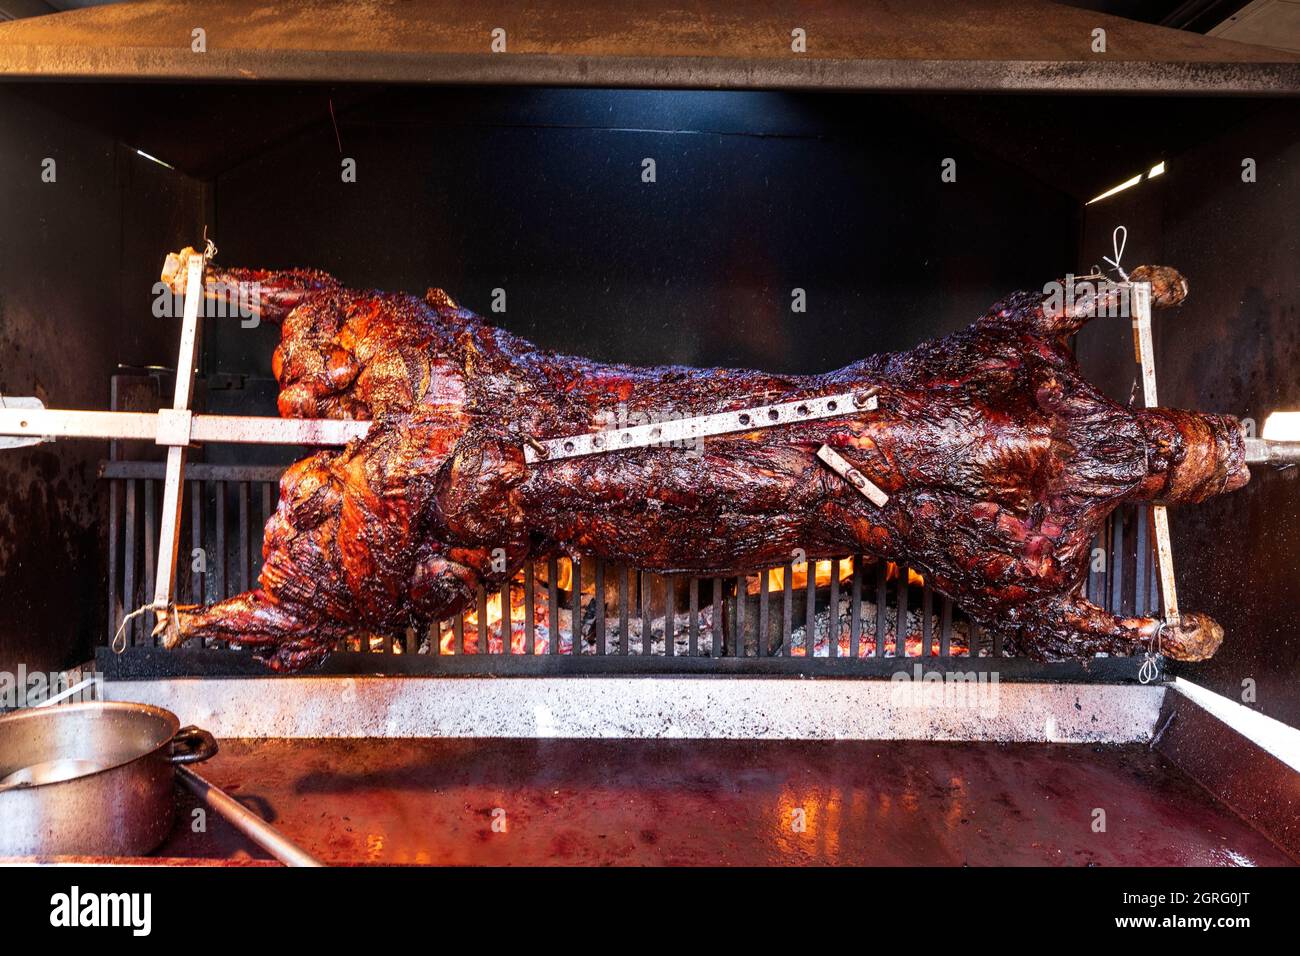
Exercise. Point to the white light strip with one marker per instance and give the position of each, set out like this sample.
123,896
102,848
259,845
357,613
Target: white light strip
1282,426
1279,739
1120,188
153,159
1156,170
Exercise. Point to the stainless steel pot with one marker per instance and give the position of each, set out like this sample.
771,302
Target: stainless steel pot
92,779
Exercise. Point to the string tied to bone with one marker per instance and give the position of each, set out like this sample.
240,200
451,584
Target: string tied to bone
119,639
1118,240
1150,669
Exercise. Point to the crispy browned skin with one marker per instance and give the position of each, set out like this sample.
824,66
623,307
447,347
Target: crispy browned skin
1001,464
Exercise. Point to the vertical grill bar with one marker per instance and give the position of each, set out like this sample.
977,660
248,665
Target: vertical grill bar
738,647
243,536
129,603
530,609
647,637
484,635
218,563
787,610
1110,565
900,622
1129,593
855,610
927,618
670,606
717,617
997,643
833,619
810,609
693,632
197,578
575,622
764,615
553,603
945,628
218,489
624,585
1140,592
1117,562
975,634
114,526
600,605
458,631
882,595
150,544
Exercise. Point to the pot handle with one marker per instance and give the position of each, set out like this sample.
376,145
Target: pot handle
201,744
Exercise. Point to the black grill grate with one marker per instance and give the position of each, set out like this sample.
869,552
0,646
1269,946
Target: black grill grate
853,608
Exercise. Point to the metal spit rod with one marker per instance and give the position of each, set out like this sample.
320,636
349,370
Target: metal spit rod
1262,451
246,821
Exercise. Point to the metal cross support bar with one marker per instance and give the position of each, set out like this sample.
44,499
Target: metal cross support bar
857,479
674,431
171,427
1140,300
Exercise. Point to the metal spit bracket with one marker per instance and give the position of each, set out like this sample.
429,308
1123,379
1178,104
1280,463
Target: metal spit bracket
25,404
675,432
838,464
26,421
1140,302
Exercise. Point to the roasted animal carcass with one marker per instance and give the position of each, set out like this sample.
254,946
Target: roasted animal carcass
1000,461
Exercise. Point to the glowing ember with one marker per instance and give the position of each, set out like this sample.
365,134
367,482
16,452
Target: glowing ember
512,622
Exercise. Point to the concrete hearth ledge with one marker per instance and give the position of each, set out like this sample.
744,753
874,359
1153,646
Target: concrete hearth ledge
659,707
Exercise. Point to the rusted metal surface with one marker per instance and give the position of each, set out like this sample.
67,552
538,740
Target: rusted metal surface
511,802
927,44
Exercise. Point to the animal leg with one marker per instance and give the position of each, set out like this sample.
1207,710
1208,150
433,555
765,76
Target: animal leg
1058,628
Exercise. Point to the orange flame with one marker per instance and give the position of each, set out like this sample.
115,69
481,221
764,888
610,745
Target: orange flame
822,575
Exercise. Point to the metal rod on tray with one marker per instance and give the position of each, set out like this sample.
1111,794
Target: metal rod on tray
246,821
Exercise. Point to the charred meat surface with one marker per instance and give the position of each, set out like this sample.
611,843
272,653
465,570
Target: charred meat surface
1000,461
